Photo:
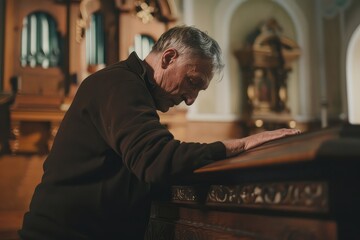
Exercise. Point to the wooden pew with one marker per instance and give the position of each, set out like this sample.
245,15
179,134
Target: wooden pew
301,187
35,120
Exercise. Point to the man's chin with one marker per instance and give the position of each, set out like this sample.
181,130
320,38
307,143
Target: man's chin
163,109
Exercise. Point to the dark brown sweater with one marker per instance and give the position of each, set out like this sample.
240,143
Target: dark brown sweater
109,152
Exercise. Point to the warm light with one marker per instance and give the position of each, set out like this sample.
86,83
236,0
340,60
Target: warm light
251,92
259,123
292,124
282,93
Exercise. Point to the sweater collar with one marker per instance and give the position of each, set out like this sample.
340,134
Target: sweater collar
138,66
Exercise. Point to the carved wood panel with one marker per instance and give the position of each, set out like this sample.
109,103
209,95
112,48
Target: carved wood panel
295,196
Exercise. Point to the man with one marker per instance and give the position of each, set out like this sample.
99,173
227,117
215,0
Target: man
111,149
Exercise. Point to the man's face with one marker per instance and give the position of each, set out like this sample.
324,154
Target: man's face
181,79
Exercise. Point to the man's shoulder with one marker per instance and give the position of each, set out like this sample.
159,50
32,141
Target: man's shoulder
119,72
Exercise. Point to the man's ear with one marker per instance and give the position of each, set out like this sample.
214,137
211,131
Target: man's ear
168,57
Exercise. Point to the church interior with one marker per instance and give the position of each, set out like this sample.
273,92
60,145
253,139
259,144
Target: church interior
288,64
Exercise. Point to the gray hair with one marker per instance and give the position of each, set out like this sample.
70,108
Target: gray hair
192,41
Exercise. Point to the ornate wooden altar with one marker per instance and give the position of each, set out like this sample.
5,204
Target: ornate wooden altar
265,62
301,187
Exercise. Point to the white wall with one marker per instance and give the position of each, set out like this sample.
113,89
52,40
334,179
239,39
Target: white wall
353,77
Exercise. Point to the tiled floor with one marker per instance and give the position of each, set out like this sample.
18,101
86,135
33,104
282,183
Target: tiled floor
19,175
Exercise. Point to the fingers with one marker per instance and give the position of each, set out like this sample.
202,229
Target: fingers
279,133
289,131
295,131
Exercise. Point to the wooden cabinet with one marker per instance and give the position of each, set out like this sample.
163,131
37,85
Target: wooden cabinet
301,187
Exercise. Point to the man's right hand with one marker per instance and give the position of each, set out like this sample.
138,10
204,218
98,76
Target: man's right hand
236,146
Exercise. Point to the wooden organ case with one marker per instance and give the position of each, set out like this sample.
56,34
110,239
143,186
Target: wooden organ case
301,187
48,56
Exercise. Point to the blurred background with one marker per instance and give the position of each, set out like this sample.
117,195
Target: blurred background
289,63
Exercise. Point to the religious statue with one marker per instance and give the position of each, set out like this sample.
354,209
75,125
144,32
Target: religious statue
265,62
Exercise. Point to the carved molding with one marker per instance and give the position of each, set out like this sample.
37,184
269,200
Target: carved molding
87,7
146,10
311,196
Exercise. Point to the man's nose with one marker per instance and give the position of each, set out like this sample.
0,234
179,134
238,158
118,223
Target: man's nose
190,99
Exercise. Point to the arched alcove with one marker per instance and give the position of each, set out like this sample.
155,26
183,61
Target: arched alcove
226,93
353,77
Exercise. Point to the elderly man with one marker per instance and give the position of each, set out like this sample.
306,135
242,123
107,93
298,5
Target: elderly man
111,148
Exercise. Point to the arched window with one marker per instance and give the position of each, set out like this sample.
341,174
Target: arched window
142,45
39,41
95,49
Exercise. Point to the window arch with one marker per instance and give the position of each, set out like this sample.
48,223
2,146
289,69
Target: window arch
142,45
95,46
40,45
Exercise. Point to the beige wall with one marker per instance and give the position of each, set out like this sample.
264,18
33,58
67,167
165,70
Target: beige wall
245,18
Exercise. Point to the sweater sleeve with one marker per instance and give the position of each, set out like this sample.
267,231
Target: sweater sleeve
124,113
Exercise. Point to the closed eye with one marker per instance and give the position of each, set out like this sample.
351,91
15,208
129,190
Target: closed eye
191,82
195,83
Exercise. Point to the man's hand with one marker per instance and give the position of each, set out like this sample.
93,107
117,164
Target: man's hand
236,146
